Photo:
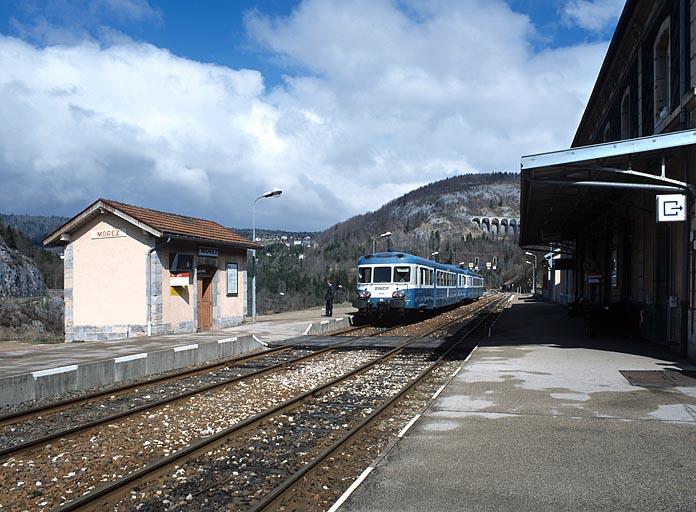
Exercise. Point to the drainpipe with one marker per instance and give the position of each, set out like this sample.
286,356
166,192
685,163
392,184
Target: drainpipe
149,283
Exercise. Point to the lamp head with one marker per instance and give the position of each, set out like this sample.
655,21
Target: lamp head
528,253
388,233
273,193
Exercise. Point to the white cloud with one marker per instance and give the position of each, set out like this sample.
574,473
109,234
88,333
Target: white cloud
387,98
593,15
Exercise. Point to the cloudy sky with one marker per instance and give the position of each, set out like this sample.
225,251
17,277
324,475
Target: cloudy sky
199,107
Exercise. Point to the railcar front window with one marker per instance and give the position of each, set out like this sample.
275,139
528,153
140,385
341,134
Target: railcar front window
382,275
402,275
364,275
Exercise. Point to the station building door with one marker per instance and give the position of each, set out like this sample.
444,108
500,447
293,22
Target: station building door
205,302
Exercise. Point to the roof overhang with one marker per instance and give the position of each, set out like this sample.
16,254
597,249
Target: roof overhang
96,208
212,241
564,191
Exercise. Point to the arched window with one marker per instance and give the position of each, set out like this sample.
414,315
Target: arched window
626,114
661,62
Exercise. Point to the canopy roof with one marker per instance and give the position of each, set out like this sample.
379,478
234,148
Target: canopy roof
563,190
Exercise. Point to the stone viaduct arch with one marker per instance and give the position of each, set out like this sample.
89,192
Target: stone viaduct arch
497,226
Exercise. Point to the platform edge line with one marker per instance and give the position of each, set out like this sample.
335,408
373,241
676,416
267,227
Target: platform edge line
470,354
408,425
351,489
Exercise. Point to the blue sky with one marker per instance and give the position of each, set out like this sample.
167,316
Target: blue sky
200,106
213,30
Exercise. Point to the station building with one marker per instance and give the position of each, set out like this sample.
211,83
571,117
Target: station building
132,271
614,214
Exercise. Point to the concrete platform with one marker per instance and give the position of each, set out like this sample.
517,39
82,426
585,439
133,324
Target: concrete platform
541,419
29,372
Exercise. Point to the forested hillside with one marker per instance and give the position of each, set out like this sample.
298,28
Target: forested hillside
35,227
293,267
433,218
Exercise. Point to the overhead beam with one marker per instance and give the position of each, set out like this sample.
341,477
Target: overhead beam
616,184
609,149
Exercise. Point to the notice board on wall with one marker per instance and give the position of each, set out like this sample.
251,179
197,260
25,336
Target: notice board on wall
232,281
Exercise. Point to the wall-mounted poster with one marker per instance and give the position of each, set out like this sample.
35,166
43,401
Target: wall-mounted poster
232,279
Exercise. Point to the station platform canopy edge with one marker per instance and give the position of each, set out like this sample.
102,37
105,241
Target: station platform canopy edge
565,193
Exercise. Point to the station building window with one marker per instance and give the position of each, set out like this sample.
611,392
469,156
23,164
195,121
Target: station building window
626,114
662,73
179,262
614,267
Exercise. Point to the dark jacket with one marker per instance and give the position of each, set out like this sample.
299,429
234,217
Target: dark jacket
329,295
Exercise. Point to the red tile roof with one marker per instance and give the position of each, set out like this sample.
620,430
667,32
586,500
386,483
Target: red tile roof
160,224
173,224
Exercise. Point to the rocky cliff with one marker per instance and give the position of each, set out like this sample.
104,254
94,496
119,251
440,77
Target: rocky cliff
19,277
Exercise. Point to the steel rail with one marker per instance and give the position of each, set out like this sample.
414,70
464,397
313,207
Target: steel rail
11,451
11,419
16,417
279,492
91,500
14,450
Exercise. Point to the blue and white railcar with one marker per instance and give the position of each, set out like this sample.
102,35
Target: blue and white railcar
396,282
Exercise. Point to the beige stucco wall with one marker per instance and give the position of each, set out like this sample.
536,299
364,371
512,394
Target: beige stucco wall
109,275
231,306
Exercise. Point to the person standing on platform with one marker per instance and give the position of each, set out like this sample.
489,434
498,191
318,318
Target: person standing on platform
329,298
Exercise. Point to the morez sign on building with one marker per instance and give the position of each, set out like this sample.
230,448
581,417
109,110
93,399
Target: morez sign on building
108,233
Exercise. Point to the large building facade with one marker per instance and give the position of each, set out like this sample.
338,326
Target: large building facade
132,271
593,207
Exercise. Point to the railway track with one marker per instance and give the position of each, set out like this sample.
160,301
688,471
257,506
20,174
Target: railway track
252,464
65,456
320,486
60,405
33,428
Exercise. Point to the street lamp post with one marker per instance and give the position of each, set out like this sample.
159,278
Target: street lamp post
272,193
533,269
533,276
374,240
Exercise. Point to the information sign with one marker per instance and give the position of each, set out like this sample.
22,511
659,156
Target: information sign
594,278
208,251
107,233
232,282
671,208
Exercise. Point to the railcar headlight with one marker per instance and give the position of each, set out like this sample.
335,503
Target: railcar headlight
398,294
364,294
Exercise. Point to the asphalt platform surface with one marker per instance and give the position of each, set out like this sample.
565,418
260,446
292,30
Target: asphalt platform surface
541,419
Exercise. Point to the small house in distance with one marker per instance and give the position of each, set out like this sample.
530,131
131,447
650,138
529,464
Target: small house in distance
133,271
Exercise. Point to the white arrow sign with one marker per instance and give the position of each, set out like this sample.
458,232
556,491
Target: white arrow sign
671,208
